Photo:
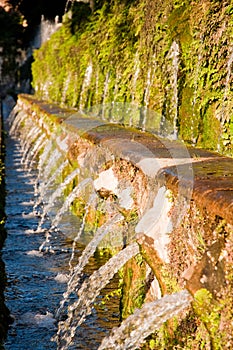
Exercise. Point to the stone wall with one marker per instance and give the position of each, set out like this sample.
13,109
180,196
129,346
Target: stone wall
176,203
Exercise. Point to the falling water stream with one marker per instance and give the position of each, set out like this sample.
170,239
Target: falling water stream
36,279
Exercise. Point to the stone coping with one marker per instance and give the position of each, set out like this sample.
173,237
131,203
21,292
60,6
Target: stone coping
210,174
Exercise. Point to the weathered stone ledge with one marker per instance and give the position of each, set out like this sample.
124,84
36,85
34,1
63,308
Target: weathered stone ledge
211,174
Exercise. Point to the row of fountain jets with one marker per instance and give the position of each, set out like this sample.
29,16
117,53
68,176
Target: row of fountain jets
132,332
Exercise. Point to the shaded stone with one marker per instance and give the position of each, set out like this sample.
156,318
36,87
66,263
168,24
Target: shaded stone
152,258
208,272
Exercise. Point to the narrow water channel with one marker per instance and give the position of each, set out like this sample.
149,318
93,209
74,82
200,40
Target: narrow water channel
37,280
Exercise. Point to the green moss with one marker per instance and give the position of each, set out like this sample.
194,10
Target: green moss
190,120
78,207
130,216
129,48
133,286
198,330
208,311
209,130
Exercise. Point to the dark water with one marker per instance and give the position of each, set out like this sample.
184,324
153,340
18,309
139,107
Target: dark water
33,292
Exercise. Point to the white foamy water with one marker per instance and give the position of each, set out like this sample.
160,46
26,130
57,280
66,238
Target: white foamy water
62,278
35,319
34,253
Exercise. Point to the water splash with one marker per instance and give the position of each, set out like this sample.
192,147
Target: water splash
227,85
85,86
44,32
51,163
65,89
71,197
46,184
174,55
41,142
37,319
150,77
90,289
43,187
27,140
135,76
105,93
81,229
223,115
134,330
9,111
76,272
56,194
41,164
59,216
19,117
30,148
195,96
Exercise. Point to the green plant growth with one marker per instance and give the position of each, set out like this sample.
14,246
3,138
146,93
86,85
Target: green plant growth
133,285
208,311
171,56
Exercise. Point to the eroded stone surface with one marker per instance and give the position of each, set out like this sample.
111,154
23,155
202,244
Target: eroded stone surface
208,272
157,224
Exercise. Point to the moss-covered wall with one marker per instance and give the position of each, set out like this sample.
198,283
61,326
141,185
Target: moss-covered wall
172,56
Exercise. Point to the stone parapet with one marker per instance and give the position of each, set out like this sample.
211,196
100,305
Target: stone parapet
211,174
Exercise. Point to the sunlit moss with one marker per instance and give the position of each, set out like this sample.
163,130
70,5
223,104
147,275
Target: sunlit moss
208,311
128,46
